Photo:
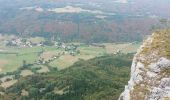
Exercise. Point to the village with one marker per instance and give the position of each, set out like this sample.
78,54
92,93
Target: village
57,53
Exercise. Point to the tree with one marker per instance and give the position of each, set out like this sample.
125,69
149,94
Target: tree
24,64
33,93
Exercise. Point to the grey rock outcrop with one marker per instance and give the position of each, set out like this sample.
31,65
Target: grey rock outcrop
150,70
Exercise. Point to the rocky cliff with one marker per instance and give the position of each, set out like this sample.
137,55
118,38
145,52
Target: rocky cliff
150,70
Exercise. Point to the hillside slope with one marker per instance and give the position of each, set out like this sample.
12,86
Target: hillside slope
150,71
101,78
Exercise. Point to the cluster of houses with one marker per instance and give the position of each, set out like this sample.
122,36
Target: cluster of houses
22,43
27,43
70,48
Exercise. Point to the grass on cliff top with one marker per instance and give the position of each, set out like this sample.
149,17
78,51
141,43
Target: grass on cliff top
160,42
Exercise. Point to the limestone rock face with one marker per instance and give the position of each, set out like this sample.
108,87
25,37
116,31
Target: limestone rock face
150,70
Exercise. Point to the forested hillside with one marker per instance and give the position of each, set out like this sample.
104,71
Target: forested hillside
100,78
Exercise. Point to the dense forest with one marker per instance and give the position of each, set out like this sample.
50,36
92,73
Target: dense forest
100,78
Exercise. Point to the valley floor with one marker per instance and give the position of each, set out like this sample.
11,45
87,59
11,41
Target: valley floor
12,58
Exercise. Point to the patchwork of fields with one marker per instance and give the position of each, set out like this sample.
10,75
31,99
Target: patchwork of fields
12,58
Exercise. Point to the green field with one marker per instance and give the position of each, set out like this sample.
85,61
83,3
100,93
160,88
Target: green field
30,55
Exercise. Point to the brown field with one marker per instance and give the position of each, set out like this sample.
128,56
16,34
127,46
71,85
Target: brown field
64,61
43,70
69,58
25,73
8,83
2,64
47,55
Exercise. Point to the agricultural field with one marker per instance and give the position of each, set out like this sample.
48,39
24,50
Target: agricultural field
12,58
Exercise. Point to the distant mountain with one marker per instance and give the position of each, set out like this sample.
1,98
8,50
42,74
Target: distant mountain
150,70
82,21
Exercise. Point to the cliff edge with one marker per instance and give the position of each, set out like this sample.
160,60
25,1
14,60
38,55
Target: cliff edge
150,70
